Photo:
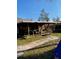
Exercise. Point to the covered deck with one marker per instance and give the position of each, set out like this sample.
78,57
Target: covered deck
42,28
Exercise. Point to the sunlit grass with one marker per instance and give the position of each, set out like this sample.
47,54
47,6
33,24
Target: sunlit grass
44,51
28,39
56,34
32,38
39,53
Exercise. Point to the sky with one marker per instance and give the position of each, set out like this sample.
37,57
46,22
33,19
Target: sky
30,9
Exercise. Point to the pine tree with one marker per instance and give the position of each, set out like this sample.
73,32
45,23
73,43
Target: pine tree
43,16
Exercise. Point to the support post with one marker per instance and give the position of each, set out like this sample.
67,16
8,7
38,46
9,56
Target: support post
28,29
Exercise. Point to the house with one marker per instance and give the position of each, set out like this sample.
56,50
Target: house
28,27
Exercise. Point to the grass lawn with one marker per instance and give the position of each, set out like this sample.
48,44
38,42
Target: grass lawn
44,51
32,38
56,34
28,39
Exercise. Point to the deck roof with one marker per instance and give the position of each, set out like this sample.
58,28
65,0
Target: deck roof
19,20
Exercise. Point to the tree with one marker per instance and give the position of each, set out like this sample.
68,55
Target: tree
56,19
43,16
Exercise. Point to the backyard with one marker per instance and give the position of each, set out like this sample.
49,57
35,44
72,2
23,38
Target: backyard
31,38
44,51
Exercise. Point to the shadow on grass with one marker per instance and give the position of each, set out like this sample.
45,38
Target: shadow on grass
46,55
